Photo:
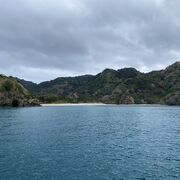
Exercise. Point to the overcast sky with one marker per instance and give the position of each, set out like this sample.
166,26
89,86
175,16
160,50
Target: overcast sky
45,39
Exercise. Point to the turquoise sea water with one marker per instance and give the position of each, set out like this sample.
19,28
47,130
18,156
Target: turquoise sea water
90,143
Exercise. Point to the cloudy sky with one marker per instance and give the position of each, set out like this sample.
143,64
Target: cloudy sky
44,39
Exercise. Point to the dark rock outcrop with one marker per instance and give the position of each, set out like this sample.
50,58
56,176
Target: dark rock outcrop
173,99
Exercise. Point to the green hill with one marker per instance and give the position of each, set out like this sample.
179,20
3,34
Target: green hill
13,93
124,86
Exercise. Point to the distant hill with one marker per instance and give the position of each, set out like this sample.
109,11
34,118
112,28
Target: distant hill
124,86
31,86
12,93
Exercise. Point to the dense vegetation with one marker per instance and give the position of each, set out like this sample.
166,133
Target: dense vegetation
124,86
13,93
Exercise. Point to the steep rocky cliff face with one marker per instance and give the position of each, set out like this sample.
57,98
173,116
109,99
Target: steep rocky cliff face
14,94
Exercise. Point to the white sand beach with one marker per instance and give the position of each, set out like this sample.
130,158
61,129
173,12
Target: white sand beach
74,104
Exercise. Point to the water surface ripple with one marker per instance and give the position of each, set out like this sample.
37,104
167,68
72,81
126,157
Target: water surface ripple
90,143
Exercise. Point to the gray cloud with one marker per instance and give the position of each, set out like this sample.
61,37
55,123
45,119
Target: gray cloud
43,39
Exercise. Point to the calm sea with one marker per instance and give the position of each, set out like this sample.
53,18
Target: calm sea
90,143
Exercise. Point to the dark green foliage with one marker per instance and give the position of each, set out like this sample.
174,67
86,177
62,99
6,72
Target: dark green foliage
48,98
128,73
32,87
7,85
123,86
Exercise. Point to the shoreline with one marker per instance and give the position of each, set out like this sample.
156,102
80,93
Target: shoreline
99,104
73,104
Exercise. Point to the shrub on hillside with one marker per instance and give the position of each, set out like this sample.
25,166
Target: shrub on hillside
7,86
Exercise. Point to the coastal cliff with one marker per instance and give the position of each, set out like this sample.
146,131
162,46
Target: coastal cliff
14,94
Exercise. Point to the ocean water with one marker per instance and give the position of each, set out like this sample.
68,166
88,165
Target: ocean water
90,143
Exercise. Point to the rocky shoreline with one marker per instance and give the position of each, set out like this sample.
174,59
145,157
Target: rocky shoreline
17,100
14,94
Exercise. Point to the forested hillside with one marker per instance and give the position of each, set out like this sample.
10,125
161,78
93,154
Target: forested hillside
123,86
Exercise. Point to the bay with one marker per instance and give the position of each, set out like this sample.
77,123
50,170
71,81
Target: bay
90,143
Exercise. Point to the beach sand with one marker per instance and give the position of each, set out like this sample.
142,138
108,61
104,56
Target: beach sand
75,104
